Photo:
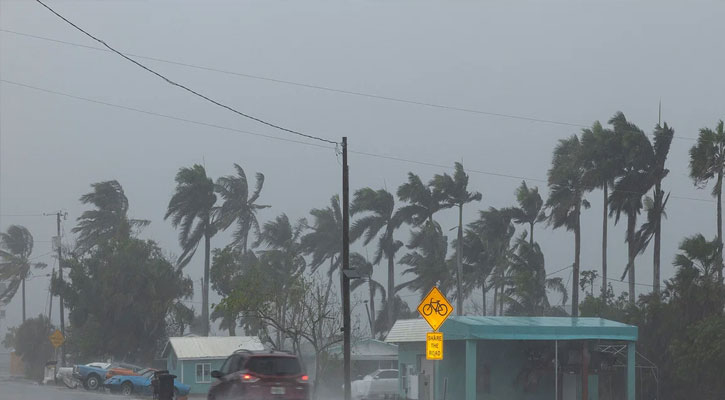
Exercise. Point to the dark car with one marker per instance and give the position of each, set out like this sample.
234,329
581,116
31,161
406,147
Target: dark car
247,375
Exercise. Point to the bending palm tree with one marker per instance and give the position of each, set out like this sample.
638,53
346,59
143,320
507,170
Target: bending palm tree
427,262
528,292
16,246
324,242
486,248
530,210
238,206
380,209
191,207
633,183
707,161
454,193
603,164
422,201
365,267
110,218
566,199
656,207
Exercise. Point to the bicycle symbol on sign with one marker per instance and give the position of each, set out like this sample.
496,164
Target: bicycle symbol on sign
435,306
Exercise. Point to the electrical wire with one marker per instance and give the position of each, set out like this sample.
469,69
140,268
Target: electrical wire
325,88
363,153
174,83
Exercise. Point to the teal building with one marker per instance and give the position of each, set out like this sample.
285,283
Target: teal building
518,358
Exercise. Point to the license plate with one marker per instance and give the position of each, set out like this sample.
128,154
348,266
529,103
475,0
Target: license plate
276,390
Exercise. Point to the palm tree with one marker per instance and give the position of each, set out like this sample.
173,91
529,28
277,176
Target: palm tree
16,246
602,156
191,207
566,199
528,292
707,161
656,207
324,242
631,186
422,201
486,250
453,190
379,207
110,218
238,206
365,267
427,261
530,210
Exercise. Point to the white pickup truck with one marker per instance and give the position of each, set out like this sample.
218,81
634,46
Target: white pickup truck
381,384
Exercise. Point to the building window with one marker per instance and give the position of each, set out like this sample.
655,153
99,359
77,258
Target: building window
203,373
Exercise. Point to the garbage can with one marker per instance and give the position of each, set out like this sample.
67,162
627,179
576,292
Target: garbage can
166,386
49,373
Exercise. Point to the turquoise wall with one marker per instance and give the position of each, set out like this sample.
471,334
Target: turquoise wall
505,359
187,374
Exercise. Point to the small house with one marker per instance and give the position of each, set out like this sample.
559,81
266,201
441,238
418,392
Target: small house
518,358
368,355
192,358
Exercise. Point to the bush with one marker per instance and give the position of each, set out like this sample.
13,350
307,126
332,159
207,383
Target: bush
31,343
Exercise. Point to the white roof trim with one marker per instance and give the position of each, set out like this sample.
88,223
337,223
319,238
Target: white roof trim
214,347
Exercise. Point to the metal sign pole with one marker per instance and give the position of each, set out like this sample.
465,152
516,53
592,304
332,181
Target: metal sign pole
556,370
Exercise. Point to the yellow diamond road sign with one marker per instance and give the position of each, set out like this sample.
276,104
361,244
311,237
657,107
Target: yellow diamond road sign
434,346
57,339
435,308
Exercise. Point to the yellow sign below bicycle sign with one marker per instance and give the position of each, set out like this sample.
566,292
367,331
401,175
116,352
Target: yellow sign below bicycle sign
434,346
435,308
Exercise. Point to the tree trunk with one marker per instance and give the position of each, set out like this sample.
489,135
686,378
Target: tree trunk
205,285
500,300
483,291
459,263
391,290
372,307
719,226
531,234
605,222
658,232
23,299
495,299
632,250
577,256
233,327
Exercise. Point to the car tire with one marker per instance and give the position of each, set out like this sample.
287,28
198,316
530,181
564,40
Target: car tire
126,388
93,382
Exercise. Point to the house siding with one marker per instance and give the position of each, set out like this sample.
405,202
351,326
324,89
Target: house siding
185,371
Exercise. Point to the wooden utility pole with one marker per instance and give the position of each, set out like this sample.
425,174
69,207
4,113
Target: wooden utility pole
60,294
345,289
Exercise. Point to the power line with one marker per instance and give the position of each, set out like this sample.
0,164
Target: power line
363,153
22,215
173,83
161,115
317,87
325,88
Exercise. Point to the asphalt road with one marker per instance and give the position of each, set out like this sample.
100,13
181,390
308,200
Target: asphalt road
14,390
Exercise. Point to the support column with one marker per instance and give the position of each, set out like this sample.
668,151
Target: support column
631,375
471,360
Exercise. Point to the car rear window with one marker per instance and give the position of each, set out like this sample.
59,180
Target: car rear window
278,366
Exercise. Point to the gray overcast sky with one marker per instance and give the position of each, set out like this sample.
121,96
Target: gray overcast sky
575,61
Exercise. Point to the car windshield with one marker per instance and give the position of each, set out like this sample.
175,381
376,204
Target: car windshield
148,374
278,366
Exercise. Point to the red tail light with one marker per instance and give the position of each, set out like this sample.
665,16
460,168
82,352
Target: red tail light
248,378
303,379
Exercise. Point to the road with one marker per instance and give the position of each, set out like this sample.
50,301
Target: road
13,390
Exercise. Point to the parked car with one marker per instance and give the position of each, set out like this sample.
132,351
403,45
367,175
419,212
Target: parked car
141,385
260,375
91,375
123,369
381,384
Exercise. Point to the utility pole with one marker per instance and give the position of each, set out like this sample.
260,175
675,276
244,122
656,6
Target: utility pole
60,294
345,289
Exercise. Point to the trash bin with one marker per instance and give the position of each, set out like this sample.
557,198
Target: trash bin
49,373
166,386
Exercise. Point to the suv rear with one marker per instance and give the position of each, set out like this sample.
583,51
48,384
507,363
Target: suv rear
247,375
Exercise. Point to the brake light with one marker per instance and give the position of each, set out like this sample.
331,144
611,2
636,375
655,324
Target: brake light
303,379
247,378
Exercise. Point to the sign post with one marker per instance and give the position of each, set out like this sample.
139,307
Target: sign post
434,308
